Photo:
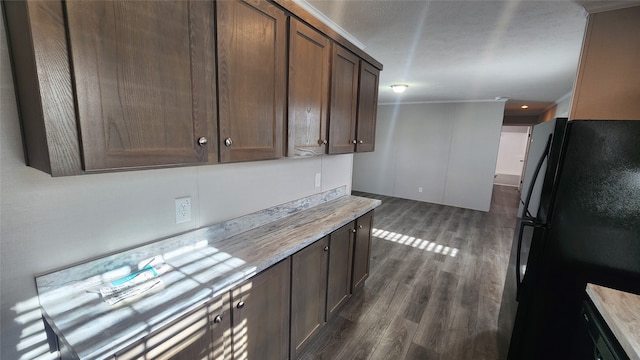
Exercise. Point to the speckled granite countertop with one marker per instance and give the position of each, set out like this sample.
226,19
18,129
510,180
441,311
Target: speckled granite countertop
621,311
201,264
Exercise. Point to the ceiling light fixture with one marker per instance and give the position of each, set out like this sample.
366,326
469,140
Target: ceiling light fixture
524,107
399,88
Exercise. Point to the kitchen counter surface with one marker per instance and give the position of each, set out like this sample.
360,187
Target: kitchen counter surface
621,311
200,266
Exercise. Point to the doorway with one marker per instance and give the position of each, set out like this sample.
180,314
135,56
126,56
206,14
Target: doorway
512,154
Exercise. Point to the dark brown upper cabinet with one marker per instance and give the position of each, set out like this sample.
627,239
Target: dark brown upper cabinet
132,86
119,85
252,68
367,107
344,101
309,75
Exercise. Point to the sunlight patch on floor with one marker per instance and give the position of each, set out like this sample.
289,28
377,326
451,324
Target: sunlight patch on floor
415,242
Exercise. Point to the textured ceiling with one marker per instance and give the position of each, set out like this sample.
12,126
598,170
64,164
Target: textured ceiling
467,50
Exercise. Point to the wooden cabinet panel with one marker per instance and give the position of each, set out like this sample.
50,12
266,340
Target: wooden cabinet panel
308,293
190,337
144,80
261,315
340,264
220,319
37,37
309,71
344,92
362,250
367,107
252,68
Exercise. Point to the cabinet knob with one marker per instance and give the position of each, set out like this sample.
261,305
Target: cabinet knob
228,142
240,305
322,142
359,226
361,142
217,319
354,142
353,231
326,248
202,141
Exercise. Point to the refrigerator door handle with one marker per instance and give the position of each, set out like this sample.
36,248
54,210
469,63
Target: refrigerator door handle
525,222
528,220
534,179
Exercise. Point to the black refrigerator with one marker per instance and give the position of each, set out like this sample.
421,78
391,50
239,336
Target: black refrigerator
585,229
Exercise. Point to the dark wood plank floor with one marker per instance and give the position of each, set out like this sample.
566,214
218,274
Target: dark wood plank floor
435,284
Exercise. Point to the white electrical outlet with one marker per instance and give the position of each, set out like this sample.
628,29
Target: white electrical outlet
420,189
318,180
183,209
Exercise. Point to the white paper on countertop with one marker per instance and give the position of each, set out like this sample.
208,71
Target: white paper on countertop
133,285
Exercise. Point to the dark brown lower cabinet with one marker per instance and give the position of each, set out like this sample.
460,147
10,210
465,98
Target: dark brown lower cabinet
323,277
220,318
261,315
308,293
362,250
340,264
275,314
190,337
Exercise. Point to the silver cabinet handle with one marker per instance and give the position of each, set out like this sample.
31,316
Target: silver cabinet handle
354,142
217,319
326,248
324,142
228,142
361,142
353,231
240,305
359,226
202,141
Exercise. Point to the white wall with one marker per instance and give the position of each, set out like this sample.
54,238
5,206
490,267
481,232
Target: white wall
563,105
512,150
48,223
448,149
511,155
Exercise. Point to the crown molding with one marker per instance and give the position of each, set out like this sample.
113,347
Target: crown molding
335,27
444,102
596,6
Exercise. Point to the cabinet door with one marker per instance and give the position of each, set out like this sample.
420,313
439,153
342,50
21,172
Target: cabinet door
340,263
309,57
261,315
367,107
252,66
308,293
190,337
362,250
144,81
220,319
344,92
